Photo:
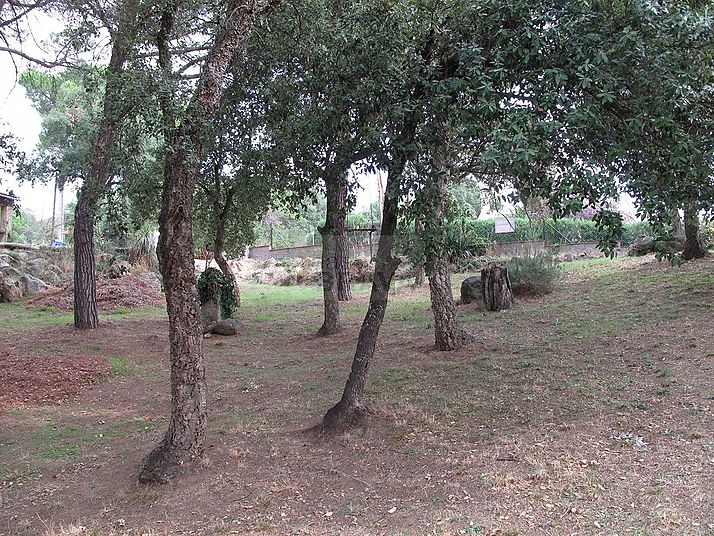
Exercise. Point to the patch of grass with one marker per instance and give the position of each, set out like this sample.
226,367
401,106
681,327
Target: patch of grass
120,367
11,477
17,316
62,453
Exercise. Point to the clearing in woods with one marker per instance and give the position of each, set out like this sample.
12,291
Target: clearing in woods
589,411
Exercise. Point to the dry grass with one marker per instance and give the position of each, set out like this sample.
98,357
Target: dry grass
589,411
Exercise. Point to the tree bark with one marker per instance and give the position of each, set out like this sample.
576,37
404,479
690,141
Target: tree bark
344,292
85,272
220,215
86,314
694,247
496,287
419,274
330,287
350,410
185,438
448,335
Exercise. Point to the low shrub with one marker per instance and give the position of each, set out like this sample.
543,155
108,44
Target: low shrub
533,276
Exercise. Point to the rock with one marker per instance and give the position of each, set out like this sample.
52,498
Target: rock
10,289
119,269
224,327
32,285
39,262
10,271
152,279
471,290
5,260
641,246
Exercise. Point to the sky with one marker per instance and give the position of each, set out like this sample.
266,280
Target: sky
19,117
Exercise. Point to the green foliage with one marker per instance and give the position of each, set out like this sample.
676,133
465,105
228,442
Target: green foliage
142,248
69,105
27,229
533,276
215,285
10,155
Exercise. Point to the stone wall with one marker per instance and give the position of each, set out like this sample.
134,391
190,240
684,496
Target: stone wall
498,249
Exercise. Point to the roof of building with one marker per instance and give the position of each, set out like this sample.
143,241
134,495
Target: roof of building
7,200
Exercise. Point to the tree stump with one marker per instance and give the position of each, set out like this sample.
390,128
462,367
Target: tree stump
496,287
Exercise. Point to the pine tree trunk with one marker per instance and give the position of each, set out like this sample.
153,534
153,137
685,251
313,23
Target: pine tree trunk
350,410
85,271
496,287
344,292
330,287
185,438
694,247
86,315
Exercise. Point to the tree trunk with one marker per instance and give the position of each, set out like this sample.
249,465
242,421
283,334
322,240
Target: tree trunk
694,247
350,410
218,247
220,216
448,335
185,438
419,274
85,271
86,315
344,292
496,287
677,225
330,286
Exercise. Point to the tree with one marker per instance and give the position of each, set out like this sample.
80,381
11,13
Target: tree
323,122
524,100
187,136
86,314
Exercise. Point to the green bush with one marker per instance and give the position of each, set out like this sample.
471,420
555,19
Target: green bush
561,231
533,276
215,285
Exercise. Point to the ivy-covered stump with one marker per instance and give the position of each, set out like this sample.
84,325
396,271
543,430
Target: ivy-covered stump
496,287
217,294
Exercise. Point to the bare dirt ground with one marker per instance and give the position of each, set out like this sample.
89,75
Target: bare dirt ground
587,412
28,379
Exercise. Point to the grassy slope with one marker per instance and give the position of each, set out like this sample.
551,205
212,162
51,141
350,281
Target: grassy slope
513,433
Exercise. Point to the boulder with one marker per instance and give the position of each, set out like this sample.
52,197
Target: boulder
32,285
641,246
119,269
471,290
10,289
152,279
224,327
